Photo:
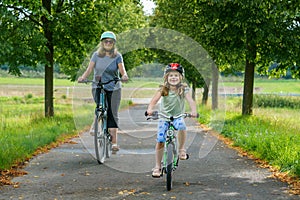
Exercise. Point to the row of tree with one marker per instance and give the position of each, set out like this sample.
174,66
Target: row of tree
57,31
238,35
254,34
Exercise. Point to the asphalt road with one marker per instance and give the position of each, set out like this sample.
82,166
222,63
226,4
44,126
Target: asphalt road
213,171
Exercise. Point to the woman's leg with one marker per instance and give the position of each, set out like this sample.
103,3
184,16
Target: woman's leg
113,102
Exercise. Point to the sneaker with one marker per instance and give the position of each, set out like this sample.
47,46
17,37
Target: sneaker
92,132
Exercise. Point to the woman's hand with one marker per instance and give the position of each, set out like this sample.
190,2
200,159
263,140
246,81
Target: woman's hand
124,78
80,79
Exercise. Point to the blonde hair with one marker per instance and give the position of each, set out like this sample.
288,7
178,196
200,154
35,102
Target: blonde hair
165,87
102,52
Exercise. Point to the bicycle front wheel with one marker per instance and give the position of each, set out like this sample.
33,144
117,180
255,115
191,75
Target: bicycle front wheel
108,145
169,166
99,140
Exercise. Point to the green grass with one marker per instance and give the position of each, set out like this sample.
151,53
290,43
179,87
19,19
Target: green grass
274,140
33,81
271,134
266,85
24,128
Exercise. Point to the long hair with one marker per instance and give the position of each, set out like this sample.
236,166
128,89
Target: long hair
102,52
165,87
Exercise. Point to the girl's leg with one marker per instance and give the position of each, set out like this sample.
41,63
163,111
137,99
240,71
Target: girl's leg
159,150
181,141
181,138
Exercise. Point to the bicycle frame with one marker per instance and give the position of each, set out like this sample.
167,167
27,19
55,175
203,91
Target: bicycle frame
171,138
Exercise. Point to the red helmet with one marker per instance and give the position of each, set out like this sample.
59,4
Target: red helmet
174,66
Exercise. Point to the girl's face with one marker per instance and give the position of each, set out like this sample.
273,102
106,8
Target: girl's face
174,78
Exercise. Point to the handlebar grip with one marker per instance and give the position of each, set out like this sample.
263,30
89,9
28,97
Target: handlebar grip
83,81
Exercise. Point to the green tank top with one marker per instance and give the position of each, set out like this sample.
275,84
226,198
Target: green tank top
173,104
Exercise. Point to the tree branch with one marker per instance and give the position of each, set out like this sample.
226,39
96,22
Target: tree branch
30,17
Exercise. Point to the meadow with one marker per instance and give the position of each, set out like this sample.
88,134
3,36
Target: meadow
271,134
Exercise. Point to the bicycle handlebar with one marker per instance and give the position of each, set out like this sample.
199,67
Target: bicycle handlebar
156,115
99,82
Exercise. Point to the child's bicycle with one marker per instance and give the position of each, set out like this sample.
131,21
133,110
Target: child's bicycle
170,156
102,137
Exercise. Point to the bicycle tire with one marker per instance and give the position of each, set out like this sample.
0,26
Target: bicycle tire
169,169
99,140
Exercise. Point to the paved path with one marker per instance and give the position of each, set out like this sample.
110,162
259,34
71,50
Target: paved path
213,172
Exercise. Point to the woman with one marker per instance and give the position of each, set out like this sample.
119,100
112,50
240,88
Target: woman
107,64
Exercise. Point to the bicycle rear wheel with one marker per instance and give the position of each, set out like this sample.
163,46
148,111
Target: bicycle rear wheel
99,140
169,166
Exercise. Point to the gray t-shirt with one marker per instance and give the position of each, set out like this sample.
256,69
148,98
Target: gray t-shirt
107,68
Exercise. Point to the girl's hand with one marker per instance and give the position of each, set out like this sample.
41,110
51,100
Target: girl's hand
195,114
148,112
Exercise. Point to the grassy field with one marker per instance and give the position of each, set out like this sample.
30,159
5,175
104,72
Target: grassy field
272,133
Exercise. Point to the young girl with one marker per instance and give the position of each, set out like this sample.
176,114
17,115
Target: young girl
172,94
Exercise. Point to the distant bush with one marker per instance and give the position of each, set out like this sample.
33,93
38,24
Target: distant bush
276,101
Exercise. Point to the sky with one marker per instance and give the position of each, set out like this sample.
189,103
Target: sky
148,6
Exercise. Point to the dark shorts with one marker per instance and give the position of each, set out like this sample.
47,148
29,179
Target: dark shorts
113,104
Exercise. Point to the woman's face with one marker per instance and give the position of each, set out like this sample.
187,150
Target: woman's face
174,78
108,44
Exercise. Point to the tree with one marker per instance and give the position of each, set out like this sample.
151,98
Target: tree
256,32
182,16
62,32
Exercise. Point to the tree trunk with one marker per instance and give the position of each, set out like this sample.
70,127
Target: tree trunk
214,90
205,92
248,88
49,108
194,90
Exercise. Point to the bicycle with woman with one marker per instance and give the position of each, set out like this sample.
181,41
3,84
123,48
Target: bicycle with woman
108,64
